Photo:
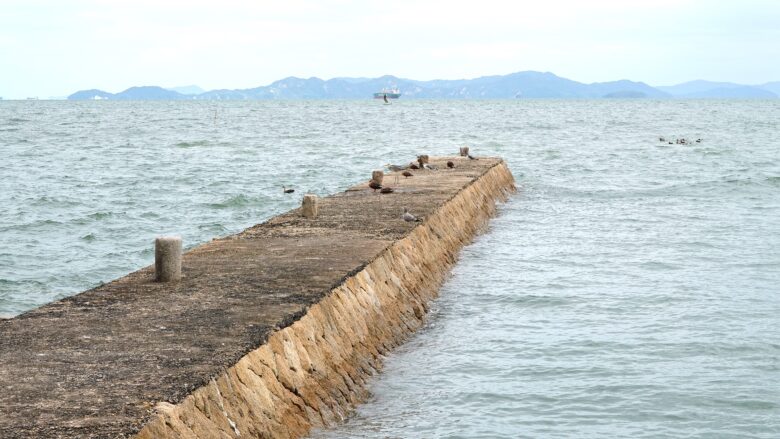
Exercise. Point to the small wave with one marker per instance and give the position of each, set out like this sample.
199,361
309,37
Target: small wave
213,228
18,283
539,301
47,222
234,201
90,237
18,120
100,215
46,200
739,181
31,225
659,266
773,181
192,144
544,127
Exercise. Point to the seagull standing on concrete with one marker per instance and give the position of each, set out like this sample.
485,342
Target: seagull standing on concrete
395,168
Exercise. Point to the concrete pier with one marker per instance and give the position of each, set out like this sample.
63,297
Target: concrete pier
271,332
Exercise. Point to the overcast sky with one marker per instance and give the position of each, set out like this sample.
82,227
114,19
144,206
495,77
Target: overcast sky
53,48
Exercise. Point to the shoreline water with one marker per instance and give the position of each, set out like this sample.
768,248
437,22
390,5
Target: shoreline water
641,275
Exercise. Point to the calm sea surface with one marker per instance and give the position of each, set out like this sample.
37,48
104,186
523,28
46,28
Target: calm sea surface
630,289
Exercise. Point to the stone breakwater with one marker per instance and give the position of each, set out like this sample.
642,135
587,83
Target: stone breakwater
271,332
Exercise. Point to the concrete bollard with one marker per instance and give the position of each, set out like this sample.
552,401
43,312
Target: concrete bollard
309,206
464,151
378,176
167,258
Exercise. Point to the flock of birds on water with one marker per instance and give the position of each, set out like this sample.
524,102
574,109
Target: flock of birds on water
421,164
680,141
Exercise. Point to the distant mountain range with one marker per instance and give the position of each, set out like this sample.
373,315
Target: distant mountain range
528,84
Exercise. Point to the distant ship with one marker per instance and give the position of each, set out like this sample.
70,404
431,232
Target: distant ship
390,93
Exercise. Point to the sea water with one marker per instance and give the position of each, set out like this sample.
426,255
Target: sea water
631,288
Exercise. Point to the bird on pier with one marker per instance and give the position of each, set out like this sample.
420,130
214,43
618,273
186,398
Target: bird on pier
429,167
450,164
287,191
386,190
471,157
396,168
374,185
407,174
413,166
408,217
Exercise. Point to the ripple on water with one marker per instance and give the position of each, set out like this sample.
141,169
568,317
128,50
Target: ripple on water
240,201
192,144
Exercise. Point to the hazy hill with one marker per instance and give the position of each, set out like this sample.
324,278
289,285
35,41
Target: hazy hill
148,93
741,92
625,89
133,93
187,89
723,90
698,86
529,84
774,87
90,94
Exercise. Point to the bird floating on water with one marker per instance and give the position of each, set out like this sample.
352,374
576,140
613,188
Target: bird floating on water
386,190
287,191
374,185
450,164
408,217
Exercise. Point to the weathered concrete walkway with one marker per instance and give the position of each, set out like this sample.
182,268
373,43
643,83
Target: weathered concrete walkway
97,363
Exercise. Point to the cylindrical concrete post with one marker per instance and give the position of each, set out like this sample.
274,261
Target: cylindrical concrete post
309,206
464,151
378,176
167,258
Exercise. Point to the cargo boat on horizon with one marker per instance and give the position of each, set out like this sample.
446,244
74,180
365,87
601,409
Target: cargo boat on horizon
389,93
